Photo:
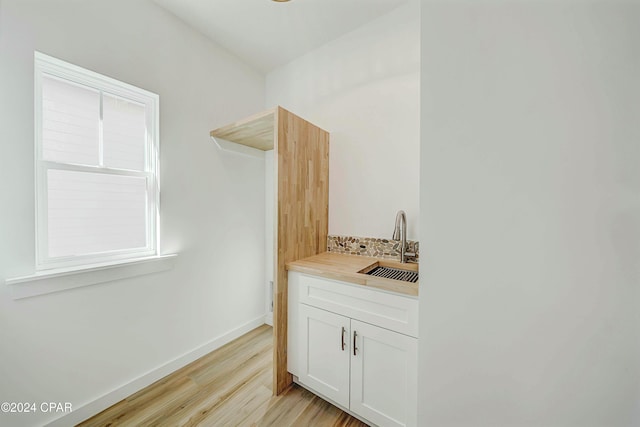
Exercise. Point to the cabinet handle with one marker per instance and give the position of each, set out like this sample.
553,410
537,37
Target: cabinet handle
355,334
342,338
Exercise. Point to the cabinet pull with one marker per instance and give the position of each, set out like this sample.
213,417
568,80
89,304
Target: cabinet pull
355,334
342,338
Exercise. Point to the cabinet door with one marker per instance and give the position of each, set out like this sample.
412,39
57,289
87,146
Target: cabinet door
384,383
324,353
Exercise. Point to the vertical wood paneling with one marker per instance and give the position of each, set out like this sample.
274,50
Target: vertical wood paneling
302,174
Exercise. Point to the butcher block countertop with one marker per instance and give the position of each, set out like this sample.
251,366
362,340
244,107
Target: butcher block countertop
347,268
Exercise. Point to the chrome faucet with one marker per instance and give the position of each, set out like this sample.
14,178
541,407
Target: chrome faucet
400,233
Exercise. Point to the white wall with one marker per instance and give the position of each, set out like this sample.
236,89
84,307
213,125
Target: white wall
363,88
76,346
269,228
530,219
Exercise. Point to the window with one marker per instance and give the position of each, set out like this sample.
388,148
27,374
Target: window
96,167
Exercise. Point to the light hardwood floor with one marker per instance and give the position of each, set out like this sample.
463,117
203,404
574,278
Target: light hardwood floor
228,387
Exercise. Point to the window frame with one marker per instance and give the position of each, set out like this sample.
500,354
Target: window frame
58,69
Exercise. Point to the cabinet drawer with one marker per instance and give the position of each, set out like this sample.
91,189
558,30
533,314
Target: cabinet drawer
391,311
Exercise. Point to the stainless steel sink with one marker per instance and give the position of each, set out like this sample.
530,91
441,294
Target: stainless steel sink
394,273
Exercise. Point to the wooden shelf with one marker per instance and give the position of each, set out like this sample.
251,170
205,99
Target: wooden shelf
301,201
257,131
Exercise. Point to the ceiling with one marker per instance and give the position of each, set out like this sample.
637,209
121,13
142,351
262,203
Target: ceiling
267,34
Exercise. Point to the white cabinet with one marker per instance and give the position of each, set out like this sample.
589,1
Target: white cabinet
384,372
365,368
324,352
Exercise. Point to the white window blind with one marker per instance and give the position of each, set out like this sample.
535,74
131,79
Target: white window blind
92,212
124,133
70,122
97,183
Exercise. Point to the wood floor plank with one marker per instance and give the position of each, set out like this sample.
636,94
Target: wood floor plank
283,412
215,394
320,413
227,387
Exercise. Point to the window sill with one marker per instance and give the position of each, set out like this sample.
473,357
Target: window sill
50,281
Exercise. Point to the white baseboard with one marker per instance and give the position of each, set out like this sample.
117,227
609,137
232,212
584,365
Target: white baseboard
96,406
